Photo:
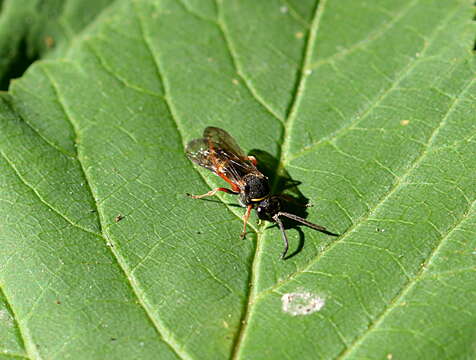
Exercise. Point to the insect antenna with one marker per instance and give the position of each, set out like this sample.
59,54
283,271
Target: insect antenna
300,220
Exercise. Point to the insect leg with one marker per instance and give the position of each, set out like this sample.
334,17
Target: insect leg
212,192
283,235
245,220
234,187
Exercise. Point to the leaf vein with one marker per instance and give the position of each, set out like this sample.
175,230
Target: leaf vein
133,283
379,98
368,40
68,220
254,276
176,122
119,78
399,183
36,131
23,337
239,70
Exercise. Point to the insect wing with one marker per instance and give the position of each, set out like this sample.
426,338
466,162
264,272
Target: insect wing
228,149
199,152
220,139
215,158
219,152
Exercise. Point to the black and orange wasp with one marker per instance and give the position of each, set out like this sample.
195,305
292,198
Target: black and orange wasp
219,152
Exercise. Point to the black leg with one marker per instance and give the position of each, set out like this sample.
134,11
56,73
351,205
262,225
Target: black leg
283,234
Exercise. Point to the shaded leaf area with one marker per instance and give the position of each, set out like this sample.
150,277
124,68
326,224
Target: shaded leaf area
102,254
36,29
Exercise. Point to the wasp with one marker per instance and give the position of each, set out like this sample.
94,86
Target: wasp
218,152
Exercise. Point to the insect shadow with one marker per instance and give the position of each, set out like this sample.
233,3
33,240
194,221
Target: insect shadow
292,199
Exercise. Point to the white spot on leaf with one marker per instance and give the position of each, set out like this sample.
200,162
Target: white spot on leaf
302,303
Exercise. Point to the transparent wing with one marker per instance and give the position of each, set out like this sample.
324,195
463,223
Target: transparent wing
228,149
219,152
199,152
220,139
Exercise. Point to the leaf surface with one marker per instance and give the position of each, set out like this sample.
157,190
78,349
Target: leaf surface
370,106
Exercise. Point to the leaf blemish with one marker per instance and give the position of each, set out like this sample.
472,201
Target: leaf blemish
301,303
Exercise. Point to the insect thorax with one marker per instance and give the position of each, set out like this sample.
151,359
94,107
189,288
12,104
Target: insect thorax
256,189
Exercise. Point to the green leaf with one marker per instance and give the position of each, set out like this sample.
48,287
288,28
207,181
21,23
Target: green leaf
370,106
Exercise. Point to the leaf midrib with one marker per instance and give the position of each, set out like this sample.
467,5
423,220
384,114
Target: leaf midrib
395,187
284,150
